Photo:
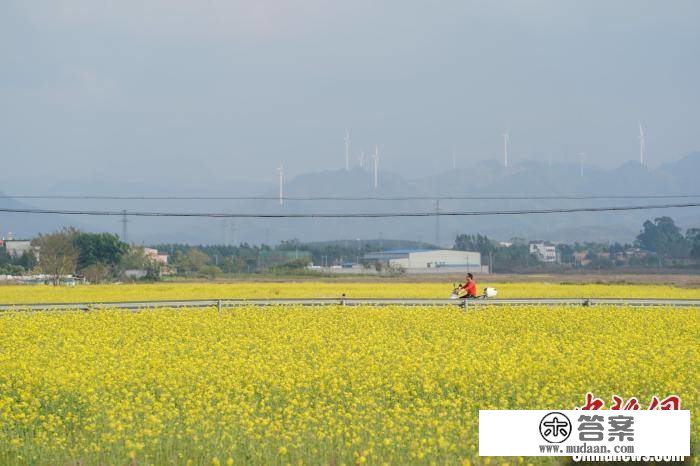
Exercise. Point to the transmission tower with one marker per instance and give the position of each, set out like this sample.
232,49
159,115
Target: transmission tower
124,221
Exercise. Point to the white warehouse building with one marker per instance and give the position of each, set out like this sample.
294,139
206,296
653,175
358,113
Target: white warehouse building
431,260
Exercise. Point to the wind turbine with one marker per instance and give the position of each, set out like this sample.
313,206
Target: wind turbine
581,155
280,169
362,159
375,156
642,144
506,138
347,150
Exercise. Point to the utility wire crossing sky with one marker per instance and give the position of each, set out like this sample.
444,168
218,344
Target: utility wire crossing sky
125,213
351,198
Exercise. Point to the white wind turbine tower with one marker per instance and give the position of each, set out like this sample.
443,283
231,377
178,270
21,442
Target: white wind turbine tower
280,169
361,158
347,150
375,156
506,138
642,145
581,155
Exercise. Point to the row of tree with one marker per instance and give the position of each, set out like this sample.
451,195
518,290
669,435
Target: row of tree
213,260
660,238
291,255
660,242
102,256
96,256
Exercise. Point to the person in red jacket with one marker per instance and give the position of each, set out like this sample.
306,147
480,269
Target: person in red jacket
468,290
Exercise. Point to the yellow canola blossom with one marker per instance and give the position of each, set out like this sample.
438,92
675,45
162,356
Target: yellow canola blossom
329,385
268,290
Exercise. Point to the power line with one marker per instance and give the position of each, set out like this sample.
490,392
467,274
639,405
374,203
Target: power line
346,215
348,198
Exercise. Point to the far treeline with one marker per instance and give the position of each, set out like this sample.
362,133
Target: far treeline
660,243
102,256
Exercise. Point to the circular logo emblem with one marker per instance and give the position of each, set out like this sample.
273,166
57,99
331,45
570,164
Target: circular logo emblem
555,427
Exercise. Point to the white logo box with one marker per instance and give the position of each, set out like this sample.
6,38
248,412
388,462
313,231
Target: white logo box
517,433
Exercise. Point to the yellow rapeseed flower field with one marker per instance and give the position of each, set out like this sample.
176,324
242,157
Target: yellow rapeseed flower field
305,289
329,385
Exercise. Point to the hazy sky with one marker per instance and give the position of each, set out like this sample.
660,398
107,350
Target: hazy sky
219,89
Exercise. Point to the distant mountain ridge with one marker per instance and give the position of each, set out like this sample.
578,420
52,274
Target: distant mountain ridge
24,226
483,179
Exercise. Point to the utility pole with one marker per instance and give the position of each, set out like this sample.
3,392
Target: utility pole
229,229
124,221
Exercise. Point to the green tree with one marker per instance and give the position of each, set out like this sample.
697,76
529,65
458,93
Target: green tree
96,273
196,259
567,253
693,238
99,248
136,259
517,256
27,260
58,255
209,271
480,243
663,237
190,260
5,258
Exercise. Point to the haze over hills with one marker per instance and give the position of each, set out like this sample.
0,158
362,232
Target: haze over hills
486,178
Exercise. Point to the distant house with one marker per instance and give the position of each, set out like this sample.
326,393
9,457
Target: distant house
581,258
545,252
15,248
156,256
